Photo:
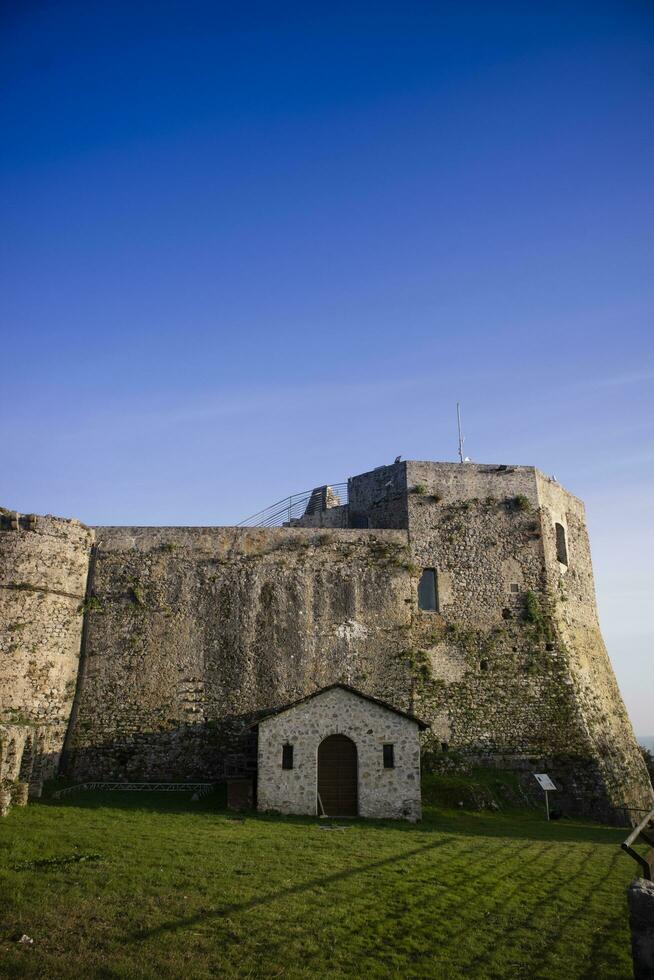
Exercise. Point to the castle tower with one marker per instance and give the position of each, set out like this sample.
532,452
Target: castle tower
506,621
43,571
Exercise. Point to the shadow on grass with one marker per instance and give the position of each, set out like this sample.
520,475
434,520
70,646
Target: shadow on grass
267,899
512,824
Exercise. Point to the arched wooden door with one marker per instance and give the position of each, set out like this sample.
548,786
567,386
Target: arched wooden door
337,776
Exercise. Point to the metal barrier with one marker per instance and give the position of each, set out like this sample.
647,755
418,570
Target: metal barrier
638,834
201,789
285,512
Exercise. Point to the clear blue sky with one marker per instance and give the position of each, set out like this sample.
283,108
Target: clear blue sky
247,249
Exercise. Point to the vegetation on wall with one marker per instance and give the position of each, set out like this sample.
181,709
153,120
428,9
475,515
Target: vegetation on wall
136,592
475,644
425,690
539,616
92,603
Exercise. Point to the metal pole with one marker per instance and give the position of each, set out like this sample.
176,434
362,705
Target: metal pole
547,805
461,439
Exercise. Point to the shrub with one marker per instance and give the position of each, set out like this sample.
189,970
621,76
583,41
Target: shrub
137,595
532,608
91,604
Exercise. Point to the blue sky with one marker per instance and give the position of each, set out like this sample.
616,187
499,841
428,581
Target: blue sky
245,252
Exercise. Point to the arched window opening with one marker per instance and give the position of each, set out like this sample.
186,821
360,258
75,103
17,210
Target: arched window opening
427,591
561,544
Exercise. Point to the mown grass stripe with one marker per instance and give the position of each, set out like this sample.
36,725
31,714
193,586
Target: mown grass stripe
182,890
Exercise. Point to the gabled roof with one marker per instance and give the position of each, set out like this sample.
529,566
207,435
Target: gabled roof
422,725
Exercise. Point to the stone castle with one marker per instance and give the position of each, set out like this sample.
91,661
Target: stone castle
461,592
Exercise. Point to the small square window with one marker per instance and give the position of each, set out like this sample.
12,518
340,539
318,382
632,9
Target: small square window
389,756
287,756
515,587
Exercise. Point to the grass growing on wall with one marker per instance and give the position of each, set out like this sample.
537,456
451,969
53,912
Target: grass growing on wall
172,888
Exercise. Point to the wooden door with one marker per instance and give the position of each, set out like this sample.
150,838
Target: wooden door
337,776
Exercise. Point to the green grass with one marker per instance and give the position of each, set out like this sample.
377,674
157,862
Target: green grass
157,886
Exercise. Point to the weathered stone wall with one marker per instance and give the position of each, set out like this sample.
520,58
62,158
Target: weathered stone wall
14,739
512,668
384,793
380,496
193,630
43,570
330,517
570,592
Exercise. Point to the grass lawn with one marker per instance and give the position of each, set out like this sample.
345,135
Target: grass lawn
172,888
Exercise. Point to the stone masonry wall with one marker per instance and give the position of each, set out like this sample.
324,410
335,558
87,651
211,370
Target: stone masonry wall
43,571
191,631
507,671
385,793
570,590
380,496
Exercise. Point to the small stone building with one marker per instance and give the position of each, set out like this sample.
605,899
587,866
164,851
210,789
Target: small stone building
341,753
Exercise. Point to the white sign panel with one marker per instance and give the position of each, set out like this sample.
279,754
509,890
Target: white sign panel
544,780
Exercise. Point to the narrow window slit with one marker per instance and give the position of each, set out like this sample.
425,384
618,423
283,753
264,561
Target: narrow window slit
427,591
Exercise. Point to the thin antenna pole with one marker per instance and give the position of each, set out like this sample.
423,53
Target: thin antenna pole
461,439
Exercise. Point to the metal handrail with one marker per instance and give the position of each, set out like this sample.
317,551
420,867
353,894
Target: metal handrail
291,508
646,862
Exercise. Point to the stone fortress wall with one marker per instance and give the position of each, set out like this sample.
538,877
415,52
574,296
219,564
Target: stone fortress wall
194,630
518,672
189,632
43,574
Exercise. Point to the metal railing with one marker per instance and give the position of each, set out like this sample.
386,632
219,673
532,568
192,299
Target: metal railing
638,835
201,789
285,512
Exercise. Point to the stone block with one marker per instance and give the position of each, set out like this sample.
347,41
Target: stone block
640,897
